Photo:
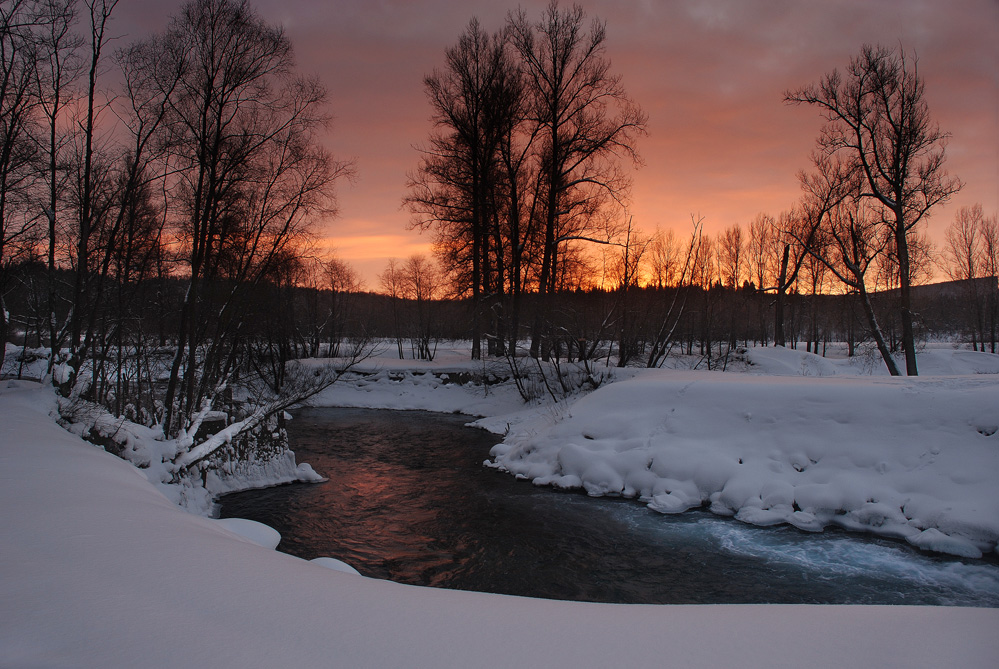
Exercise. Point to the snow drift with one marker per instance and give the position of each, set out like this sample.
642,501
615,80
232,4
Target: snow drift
911,458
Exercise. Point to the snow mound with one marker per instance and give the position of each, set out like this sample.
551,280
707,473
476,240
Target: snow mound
778,361
258,533
335,565
909,458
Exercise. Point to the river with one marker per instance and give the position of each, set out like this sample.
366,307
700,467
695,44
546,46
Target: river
408,500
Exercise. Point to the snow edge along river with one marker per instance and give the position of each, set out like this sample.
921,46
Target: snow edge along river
791,437
913,459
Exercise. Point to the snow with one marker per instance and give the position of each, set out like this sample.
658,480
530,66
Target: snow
934,360
333,563
99,568
448,384
911,458
251,530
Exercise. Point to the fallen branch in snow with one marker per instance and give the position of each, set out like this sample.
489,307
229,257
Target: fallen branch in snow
302,384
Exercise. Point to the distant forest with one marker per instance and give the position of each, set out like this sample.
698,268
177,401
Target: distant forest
616,327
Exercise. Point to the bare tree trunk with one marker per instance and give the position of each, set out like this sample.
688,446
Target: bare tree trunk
905,294
782,285
875,327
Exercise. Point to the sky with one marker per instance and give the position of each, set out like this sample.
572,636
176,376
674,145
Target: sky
711,75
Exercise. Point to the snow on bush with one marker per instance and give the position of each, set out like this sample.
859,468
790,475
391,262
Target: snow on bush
237,461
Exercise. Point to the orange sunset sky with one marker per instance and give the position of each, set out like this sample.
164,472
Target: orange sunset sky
710,75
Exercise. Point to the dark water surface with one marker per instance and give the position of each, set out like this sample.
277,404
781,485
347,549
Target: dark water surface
408,500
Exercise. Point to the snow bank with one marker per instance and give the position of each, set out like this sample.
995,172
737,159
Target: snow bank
445,389
336,565
99,569
934,360
911,458
254,473
252,531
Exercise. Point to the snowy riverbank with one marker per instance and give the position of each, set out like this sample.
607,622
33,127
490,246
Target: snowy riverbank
790,437
99,569
916,459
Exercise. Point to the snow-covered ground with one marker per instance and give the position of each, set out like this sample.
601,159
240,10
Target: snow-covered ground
99,568
912,458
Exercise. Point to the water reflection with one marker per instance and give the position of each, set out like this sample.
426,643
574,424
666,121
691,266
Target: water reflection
408,500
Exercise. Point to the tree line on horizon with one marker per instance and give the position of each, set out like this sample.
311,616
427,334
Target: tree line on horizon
158,203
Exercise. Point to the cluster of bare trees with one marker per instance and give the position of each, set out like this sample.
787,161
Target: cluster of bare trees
156,201
751,284
415,289
878,171
522,168
166,186
522,165
971,256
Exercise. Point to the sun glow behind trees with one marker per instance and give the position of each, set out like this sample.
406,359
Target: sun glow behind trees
880,151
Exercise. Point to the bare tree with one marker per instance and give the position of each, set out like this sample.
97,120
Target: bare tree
391,280
731,255
762,263
963,238
990,269
814,275
132,258
241,131
794,233
584,122
19,53
664,258
93,185
343,283
421,284
57,68
761,250
663,338
731,262
327,287
798,233
964,260
471,169
858,239
628,271
878,119
844,231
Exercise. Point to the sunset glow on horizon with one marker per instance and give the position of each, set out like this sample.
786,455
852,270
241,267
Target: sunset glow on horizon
721,143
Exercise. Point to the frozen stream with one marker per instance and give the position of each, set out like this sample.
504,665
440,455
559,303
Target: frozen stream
409,500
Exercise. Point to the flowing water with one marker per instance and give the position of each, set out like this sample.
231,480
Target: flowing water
408,500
